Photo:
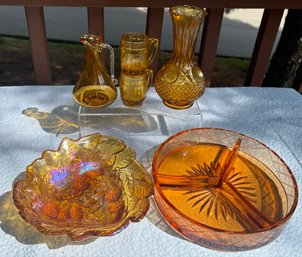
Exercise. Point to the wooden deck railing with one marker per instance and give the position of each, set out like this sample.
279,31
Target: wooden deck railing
259,61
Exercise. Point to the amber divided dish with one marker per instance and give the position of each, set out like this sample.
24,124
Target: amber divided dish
92,186
222,189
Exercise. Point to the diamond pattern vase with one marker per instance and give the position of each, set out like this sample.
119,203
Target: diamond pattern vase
180,81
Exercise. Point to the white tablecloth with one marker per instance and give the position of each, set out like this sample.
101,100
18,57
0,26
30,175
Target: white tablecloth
35,118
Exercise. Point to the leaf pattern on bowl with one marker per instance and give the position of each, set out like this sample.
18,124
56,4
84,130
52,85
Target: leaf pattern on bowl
92,186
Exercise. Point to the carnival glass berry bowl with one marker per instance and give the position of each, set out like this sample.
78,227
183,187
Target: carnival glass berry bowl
92,186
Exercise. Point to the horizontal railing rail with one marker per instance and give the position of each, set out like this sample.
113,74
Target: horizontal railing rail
272,4
95,9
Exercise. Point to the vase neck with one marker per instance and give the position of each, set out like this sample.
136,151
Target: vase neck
185,32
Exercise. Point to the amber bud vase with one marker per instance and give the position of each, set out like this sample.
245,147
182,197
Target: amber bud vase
180,81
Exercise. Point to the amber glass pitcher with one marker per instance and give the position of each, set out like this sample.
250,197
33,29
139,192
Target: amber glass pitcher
95,87
180,81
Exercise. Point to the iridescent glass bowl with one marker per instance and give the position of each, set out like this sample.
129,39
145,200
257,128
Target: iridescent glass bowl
92,186
222,189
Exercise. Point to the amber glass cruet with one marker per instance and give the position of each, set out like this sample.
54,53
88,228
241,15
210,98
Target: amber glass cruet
95,87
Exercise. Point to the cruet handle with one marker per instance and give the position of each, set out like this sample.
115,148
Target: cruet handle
109,47
153,49
150,77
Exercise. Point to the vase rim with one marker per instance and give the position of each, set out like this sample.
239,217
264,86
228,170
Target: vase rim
188,10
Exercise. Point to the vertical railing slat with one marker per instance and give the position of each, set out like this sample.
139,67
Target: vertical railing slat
297,83
96,20
209,42
38,40
263,47
154,28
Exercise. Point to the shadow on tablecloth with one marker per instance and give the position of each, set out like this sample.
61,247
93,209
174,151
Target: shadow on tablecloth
153,214
64,119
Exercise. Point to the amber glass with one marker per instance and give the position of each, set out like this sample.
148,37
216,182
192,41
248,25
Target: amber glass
223,190
89,187
137,52
134,88
95,87
180,81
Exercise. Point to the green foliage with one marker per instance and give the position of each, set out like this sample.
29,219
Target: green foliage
232,63
67,63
